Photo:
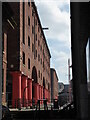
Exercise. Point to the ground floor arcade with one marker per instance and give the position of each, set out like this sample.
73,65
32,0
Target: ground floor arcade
26,90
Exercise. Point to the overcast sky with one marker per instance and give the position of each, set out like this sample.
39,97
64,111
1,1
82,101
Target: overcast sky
54,14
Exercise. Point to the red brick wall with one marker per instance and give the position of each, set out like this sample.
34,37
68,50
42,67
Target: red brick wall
44,72
54,84
16,46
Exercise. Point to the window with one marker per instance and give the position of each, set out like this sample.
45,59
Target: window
36,22
32,47
41,48
28,63
39,73
23,58
38,43
32,12
41,60
36,53
28,41
36,37
38,29
2,80
38,57
32,29
41,76
43,64
28,20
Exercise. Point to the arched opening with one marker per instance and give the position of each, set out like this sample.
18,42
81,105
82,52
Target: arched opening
34,77
34,74
43,88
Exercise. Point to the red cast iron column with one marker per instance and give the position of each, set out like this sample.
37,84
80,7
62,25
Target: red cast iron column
24,91
30,92
16,89
42,93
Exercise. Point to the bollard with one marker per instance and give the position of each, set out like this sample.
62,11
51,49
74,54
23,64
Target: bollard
45,104
39,104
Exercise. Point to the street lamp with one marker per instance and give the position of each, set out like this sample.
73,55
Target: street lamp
24,93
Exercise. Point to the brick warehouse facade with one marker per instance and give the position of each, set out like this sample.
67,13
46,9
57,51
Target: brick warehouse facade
54,84
28,61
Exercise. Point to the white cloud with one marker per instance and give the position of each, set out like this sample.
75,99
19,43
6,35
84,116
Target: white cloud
54,14
60,60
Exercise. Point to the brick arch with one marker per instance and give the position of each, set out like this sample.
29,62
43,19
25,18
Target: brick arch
34,74
34,84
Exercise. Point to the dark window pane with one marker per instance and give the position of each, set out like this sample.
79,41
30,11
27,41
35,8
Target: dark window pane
36,53
36,37
28,63
29,21
23,58
39,73
28,41
2,80
32,30
32,47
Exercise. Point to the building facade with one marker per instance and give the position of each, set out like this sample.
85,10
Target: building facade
28,57
54,84
63,95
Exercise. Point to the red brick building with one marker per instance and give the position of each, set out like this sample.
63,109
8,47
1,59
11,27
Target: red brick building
28,57
54,84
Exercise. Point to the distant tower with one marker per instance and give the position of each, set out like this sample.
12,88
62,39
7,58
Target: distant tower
69,80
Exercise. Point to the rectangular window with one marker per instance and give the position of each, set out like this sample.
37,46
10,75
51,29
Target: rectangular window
41,48
38,57
2,80
43,64
28,63
32,12
39,73
36,53
28,41
28,20
38,29
41,60
32,47
36,37
41,76
36,22
32,29
38,43
23,58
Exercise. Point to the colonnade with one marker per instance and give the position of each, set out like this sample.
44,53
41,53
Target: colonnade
25,90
